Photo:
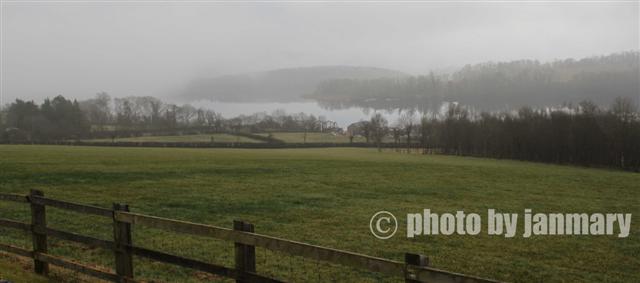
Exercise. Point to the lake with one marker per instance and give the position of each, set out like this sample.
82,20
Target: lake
344,117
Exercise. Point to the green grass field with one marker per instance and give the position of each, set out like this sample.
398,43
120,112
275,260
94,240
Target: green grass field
183,138
326,197
14,270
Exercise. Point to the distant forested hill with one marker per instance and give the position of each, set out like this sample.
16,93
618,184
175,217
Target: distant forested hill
284,85
493,86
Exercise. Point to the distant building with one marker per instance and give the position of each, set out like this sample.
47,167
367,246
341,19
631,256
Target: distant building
356,129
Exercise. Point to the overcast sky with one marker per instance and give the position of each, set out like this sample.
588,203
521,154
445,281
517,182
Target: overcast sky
152,48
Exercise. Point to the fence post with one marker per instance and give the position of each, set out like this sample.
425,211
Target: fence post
122,239
417,260
245,254
38,222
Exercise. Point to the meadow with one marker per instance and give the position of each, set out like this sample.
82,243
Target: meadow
326,197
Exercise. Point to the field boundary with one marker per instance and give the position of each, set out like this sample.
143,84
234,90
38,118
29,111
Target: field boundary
414,269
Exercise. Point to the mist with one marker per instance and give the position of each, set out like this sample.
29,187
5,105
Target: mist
155,49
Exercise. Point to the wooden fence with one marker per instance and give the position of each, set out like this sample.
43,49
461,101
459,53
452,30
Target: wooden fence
414,269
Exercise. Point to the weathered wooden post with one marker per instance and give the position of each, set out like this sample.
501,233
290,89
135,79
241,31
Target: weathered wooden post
38,227
122,240
417,260
245,255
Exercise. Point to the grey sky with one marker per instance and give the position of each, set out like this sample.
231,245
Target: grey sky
151,49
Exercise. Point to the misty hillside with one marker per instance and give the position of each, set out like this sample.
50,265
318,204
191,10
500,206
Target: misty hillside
492,86
284,85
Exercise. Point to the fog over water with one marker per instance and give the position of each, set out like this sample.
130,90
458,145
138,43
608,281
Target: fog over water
344,117
155,49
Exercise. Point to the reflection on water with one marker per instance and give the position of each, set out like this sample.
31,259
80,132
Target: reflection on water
343,117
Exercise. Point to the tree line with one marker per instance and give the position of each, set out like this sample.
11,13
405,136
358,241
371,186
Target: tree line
62,119
57,118
583,134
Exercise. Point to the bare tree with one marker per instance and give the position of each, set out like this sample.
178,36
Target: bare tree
125,116
379,129
98,110
185,114
214,120
156,106
407,123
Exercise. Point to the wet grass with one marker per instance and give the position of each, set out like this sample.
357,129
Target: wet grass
326,197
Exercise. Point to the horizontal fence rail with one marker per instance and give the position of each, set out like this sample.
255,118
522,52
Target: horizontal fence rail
81,208
414,269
